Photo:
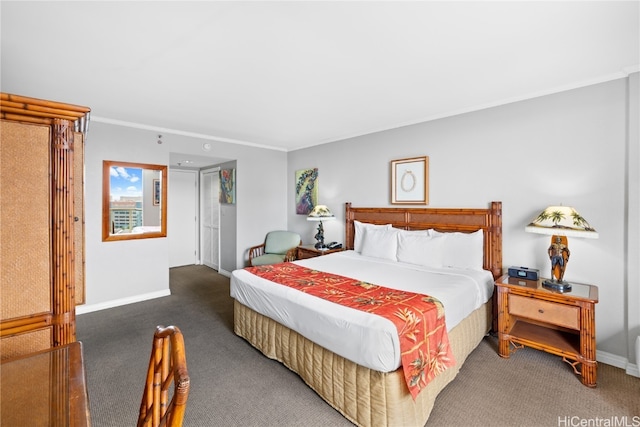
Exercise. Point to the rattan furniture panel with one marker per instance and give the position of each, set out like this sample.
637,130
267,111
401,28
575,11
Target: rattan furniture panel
28,342
25,251
559,323
442,219
78,206
40,208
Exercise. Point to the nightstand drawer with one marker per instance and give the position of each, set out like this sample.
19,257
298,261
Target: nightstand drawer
544,311
309,251
305,253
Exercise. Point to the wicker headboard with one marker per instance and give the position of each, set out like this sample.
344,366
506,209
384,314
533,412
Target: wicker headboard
441,219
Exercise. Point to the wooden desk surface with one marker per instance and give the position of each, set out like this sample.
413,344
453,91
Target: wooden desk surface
47,388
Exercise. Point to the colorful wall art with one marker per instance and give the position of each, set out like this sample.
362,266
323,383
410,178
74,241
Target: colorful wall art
306,190
228,186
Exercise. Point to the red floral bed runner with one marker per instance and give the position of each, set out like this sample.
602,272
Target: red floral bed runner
419,319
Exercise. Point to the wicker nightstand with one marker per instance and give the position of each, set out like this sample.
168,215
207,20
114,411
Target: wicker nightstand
559,323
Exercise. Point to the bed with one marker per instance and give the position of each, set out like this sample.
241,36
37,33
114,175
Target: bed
369,388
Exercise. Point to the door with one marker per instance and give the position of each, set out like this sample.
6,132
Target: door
210,217
181,217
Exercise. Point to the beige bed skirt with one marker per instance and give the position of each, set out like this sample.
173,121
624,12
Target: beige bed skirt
364,396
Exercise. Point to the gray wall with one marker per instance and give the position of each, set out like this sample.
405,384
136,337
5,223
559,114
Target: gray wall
633,219
127,271
228,228
567,148
578,148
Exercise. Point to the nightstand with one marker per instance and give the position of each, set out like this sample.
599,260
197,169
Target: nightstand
309,251
558,323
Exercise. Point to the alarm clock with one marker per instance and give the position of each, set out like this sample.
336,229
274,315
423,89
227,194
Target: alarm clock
523,273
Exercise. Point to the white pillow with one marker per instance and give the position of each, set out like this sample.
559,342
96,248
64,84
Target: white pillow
420,249
360,230
463,250
380,243
415,232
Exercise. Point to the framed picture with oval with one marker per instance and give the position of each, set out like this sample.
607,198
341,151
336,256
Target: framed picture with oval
410,181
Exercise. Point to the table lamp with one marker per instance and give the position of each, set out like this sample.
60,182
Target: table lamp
320,213
560,222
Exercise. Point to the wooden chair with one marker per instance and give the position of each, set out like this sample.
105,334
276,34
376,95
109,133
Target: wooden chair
167,364
279,246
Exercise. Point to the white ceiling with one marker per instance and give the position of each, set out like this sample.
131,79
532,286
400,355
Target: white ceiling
288,75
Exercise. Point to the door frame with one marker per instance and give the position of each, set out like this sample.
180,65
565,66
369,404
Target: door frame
196,210
215,169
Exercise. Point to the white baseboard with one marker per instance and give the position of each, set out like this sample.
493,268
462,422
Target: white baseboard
88,308
219,270
618,362
633,370
225,273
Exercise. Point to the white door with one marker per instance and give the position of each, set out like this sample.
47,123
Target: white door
182,229
210,217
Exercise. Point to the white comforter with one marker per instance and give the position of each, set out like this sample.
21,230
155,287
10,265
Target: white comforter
366,339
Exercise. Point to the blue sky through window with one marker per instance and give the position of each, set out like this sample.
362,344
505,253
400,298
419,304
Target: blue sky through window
125,182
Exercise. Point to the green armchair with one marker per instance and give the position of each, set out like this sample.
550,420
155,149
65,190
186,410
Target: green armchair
279,246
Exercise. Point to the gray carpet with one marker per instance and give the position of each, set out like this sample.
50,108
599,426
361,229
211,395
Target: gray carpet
234,385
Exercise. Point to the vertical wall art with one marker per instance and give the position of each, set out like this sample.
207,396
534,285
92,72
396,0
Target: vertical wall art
228,186
410,181
156,192
306,190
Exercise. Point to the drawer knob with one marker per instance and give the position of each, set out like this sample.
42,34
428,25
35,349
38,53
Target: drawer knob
540,310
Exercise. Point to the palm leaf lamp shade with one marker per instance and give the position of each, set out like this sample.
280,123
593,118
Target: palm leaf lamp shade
320,213
560,222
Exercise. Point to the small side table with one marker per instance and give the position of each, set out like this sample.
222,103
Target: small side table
309,251
559,323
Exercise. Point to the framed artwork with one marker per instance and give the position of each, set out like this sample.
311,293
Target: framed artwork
306,190
228,186
410,181
156,192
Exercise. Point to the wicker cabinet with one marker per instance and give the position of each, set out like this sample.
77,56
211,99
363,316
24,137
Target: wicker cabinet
559,323
42,217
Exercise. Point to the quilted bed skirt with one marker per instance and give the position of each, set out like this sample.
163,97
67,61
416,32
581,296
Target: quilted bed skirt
364,396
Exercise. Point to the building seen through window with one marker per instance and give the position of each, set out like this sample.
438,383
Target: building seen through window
126,214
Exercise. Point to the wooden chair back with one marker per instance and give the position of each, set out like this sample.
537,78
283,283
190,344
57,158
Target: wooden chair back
161,405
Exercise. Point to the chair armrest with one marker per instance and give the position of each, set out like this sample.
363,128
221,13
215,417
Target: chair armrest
255,251
292,254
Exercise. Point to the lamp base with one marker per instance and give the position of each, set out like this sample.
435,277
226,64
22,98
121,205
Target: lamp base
319,236
557,286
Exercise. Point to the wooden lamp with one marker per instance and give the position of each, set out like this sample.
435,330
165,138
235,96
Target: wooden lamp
320,213
560,222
